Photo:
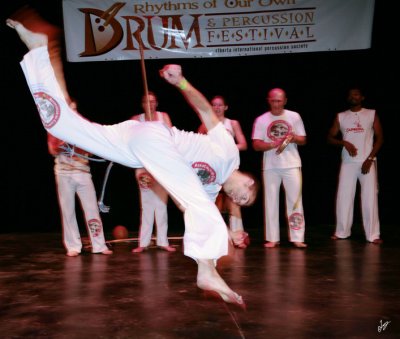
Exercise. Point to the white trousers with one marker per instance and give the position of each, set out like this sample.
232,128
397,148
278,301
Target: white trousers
291,179
350,173
133,144
153,210
81,184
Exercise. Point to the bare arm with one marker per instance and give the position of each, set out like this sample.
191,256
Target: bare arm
262,146
173,75
378,141
53,144
202,129
378,138
167,119
334,139
241,142
299,139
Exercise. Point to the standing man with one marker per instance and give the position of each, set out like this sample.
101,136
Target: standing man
73,177
277,133
153,197
361,138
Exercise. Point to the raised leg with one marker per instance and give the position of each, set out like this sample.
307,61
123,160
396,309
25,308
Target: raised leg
31,39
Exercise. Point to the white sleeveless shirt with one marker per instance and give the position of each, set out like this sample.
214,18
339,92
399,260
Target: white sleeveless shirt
357,128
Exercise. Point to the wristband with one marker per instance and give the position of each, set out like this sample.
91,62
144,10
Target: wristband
371,158
183,84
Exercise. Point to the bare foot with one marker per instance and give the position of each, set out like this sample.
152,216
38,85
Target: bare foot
139,249
209,280
107,252
335,237
271,244
72,253
377,241
299,244
31,39
168,248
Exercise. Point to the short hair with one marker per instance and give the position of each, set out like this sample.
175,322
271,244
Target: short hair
150,93
254,189
219,97
356,88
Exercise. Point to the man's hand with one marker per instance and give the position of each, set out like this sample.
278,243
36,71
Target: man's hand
285,142
350,148
239,238
366,166
172,74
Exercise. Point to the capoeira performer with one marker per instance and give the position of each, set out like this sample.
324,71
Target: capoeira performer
73,177
162,151
358,130
153,197
272,132
224,203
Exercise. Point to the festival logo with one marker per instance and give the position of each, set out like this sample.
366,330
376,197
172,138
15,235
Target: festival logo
94,227
358,127
205,172
145,181
278,130
48,108
296,221
103,32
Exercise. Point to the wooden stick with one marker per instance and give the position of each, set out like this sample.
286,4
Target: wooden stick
144,77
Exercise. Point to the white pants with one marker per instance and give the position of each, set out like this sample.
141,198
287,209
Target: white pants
153,209
291,179
81,184
349,174
133,144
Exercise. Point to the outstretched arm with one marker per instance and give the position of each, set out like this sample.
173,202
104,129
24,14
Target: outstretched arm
173,75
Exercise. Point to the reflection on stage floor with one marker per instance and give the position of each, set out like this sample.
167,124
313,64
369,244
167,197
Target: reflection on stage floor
332,289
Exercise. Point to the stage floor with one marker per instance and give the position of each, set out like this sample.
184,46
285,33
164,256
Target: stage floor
332,289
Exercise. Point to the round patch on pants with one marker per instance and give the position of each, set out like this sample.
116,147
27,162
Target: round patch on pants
145,181
296,221
95,227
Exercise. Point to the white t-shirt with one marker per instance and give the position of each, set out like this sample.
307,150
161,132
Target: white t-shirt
268,128
159,116
214,156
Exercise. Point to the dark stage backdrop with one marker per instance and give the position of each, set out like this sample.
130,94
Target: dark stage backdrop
109,92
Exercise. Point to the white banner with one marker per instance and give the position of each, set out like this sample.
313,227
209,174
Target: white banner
100,30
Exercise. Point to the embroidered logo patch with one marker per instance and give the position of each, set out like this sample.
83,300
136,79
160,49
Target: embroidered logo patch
95,227
278,130
145,181
48,108
205,172
296,221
